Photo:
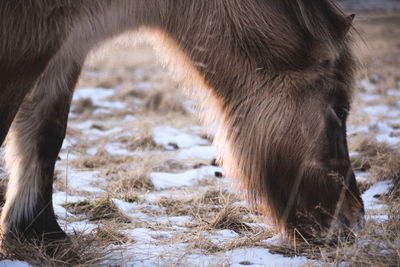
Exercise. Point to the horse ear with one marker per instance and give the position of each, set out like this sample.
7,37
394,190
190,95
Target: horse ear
349,24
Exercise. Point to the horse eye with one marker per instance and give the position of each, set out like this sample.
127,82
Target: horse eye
341,113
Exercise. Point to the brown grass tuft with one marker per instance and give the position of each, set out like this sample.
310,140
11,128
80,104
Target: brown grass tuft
230,217
175,207
83,106
140,141
108,234
102,209
218,197
129,181
77,250
100,159
160,102
380,159
206,246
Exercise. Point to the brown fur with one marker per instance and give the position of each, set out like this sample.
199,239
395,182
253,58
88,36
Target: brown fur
279,73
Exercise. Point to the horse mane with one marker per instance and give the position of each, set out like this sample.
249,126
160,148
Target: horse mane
280,37
324,20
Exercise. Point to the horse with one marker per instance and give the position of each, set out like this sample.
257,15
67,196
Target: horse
274,77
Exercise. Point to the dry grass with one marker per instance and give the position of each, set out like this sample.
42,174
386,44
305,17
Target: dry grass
100,210
160,102
100,159
79,250
215,209
380,159
378,244
231,217
128,180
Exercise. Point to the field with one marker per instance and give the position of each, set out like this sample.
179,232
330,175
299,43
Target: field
137,184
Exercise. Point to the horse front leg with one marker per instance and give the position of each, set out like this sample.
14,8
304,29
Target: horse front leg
32,146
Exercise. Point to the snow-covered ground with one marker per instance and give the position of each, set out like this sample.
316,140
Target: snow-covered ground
183,157
157,247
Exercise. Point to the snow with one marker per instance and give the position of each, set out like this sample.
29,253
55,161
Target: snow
116,149
98,97
95,94
162,180
369,97
145,235
124,206
199,152
84,227
9,263
362,176
352,129
393,92
367,85
166,134
175,220
378,188
61,198
84,181
160,247
261,257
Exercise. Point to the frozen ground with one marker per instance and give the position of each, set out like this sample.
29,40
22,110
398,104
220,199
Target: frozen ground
174,154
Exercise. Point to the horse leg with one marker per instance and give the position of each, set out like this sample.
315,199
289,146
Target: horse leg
32,146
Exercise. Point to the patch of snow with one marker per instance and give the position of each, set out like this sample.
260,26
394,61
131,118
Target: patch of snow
102,111
381,127
65,153
107,132
68,142
145,235
59,200
392,140
378,188
375,110
124,206
175,220
222,236
10,263
393,92
113,104
129,118
369,97
362,176
367,85
277,239
84,227
379,218
156,196
166,134
200,152
126,135
115,149
163,180
262,256
98,97
353,153
95,94
351,129
83,180
92,151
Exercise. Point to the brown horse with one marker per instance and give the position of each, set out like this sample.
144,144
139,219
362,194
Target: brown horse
275,76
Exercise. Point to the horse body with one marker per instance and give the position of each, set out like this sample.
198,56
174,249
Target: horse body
274,76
